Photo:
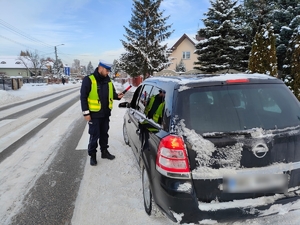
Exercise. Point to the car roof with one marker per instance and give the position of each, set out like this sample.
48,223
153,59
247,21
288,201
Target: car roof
214,79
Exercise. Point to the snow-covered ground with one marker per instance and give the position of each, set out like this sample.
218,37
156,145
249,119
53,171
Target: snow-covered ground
110,193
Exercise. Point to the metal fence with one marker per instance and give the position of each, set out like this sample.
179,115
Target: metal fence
5,83
35,80
14,83
17,83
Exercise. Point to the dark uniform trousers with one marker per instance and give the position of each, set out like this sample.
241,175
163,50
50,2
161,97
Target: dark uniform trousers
98,130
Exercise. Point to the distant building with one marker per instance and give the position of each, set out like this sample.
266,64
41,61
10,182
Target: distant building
183,51
13,66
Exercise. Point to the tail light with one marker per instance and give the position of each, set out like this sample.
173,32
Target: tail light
171,159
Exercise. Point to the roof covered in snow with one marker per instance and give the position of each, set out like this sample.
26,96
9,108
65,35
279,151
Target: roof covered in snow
13,62
184,36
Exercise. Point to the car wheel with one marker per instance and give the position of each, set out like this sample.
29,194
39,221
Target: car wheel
149,204
125,135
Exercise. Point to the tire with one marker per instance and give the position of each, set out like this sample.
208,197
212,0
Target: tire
125,135
149,204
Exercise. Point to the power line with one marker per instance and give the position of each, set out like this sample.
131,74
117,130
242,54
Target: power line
19,32
74,54
18,43
11,28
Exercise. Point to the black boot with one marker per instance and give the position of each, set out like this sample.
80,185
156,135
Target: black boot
93,160
106,155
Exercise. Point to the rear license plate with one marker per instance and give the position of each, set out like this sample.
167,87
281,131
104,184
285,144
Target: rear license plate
267,183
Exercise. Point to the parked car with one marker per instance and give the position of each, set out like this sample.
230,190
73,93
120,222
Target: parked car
225,145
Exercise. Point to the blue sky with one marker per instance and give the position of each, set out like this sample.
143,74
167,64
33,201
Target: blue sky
89,29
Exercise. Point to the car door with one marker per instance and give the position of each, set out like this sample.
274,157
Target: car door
147,126
136,115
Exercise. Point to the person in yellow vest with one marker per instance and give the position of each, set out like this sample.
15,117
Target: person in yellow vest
154,110
96,95
155,106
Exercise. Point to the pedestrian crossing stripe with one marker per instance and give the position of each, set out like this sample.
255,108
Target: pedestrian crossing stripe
6,140
84,140
4,122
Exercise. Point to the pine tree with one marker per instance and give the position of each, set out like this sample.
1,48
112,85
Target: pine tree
285,20
257,13
295,66
263,54
115,68
292,71
90,68
180,67
147,29
224,45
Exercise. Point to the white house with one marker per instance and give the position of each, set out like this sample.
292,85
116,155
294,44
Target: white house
13,66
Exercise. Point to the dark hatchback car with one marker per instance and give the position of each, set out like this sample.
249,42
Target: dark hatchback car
224,146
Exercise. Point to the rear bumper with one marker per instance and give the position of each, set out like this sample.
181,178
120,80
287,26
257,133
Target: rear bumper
245,209
184,207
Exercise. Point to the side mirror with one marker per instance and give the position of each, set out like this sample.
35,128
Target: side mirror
124,105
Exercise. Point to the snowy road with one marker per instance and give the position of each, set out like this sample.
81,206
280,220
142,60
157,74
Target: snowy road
34,135
42,159
48,179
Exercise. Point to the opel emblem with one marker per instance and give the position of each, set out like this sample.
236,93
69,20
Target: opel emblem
260,150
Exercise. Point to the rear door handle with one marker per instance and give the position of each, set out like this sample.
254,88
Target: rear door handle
129,121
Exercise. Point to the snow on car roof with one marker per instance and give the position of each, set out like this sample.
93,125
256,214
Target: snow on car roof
184,79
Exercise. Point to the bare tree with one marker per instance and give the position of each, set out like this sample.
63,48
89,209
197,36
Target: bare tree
76,66
32,62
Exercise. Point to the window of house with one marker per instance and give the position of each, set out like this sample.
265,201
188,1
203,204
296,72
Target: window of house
18,62
186,55
3,62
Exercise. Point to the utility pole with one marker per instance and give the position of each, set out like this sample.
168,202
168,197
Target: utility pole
56,58
55,64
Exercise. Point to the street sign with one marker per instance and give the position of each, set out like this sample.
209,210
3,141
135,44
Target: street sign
67,71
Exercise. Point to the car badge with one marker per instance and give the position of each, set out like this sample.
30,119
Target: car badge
260,150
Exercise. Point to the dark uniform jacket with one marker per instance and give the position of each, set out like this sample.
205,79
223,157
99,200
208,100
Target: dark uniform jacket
102,83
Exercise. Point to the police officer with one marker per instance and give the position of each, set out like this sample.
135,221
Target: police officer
97,94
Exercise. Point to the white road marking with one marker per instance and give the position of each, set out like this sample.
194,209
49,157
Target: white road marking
4,122
11,137
17,108
84,140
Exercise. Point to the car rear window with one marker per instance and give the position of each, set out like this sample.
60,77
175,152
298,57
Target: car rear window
238,107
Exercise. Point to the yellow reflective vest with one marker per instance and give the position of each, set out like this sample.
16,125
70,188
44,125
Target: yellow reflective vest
93,98
159,111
